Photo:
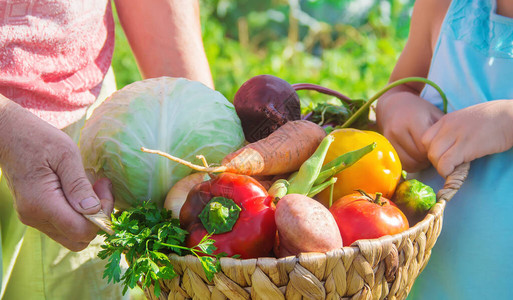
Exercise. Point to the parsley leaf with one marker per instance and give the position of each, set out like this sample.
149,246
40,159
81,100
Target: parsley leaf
146,236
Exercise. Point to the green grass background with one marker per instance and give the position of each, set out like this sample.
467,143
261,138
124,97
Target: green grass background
347,45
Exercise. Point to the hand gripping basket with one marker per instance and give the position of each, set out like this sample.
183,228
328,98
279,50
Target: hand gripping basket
369,269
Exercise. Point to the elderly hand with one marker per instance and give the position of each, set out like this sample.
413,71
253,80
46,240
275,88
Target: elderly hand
44,170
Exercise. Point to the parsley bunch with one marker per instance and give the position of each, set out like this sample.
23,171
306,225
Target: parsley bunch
147,235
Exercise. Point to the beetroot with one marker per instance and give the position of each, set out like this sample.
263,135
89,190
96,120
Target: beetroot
263,104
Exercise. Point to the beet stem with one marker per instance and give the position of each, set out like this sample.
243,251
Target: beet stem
321,89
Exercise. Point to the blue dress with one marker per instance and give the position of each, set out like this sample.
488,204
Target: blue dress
473,63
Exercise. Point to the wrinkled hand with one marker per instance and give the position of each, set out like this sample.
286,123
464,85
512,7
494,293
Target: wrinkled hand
44,170
470,133
403,117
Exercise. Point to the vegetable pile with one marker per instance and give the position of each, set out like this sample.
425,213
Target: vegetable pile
185,184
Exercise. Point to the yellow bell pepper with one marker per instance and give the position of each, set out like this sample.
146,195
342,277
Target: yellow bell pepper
377,172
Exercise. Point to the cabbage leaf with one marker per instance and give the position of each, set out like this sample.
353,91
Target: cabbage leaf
181,117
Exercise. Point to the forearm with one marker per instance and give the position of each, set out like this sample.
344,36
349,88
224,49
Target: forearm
415,58
8,110
165,37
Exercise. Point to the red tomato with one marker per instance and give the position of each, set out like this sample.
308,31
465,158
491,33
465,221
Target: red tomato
362,216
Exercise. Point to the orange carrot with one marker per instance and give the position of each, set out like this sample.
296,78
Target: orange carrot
283,151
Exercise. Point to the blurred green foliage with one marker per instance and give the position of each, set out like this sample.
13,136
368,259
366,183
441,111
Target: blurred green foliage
123,62
347,45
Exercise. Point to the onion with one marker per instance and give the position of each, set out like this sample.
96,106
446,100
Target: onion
178,193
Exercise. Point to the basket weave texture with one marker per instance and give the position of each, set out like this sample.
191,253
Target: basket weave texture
369,269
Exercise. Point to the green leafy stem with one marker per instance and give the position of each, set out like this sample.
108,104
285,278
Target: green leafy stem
387,88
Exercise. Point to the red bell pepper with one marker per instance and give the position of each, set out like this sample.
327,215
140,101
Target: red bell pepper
236,210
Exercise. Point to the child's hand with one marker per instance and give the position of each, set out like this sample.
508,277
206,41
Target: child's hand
469,133
403,117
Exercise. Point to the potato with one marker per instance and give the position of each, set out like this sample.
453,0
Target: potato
304,225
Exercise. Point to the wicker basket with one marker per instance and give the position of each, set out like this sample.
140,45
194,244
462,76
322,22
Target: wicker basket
369,269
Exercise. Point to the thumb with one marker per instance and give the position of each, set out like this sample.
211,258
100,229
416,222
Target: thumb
76,187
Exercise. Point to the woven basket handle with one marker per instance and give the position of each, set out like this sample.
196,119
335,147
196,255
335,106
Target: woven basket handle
453,182
102,220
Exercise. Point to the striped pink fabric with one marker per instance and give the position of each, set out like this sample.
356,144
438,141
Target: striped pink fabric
54,55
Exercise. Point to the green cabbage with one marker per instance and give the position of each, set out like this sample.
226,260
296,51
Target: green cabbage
181,117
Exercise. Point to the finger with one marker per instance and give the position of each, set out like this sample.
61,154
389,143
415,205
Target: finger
56,235
438,148
411,159
410,164
415,150
430,134
75,185
451,158
402,136
45,205
103,189
416,136
405,146
70,223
